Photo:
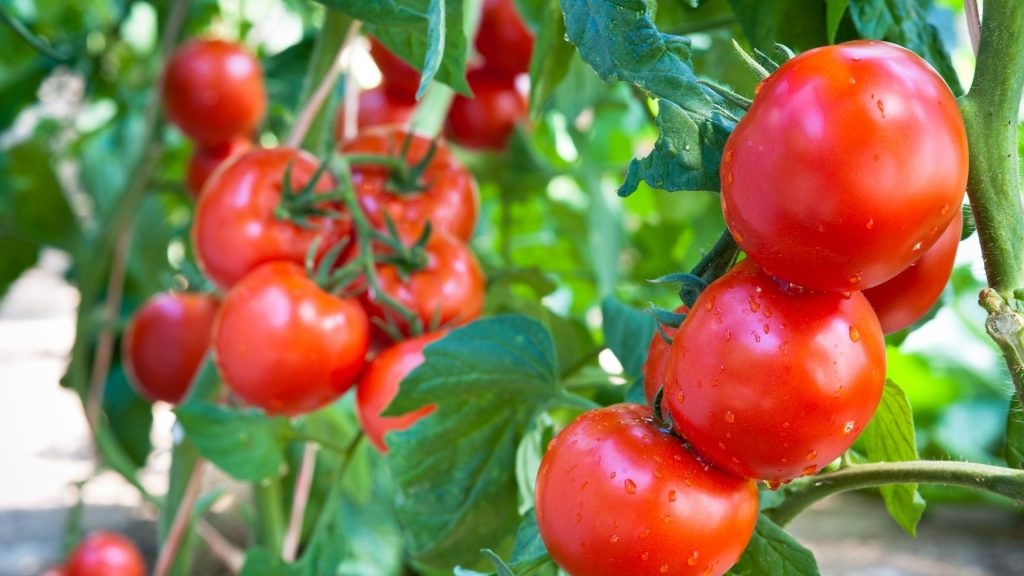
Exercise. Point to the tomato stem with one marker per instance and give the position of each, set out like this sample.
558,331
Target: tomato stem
269,513
995,479
325,64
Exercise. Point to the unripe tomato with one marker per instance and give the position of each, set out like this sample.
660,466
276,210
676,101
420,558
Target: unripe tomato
503,40
105,554
204,161
486,121
213,91
235,227
850,163
380,384
400,80
448,197
448,291
616,494
903,300
376,108
285,345
771,382
165,342
657,359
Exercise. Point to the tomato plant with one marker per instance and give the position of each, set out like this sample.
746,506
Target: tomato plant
503,40
204,160
313,345
166,341
486,120
616,494
105,554
883,153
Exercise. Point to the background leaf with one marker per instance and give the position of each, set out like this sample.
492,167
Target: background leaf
773,551
246,444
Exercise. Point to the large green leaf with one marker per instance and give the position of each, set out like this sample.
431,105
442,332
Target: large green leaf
386,12
552,54
247,444
773,551
620,41
799,24
455,468
18,256
890,438
32,201
131,417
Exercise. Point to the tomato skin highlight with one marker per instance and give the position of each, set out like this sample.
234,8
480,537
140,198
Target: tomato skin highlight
204,161
770,382
376,108
618,495
105,554
447,292
284,345
487,120
450,200
165,342
400,80
881,153
235,229
905,298
380,384
657,359
503,40
213,91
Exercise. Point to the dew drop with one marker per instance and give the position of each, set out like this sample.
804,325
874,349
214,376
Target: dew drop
728,155
773,485
666,519
729,416
870,224
680,397
728,335
917,247
849,427
614,539
812,454
611,476
933,230
630,486
664,568
754,304
881,107
645,533
757,337
730,178
785,425
721,445
852,80
945,209
855,278
671,495
854,334
738,236
645,556
692,560
810,470
766,328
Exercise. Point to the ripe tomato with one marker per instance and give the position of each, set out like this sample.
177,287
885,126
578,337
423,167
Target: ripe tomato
657,359
847,167
376,108
165,342
235,228
448,291
105,554
903,300
503,40
213,91
400,80
285,345
487,120
205,160
379,386
618,495
770,382
449,198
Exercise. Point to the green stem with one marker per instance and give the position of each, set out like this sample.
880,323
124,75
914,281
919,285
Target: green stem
328,42
997,480
990,111
270,518
31,39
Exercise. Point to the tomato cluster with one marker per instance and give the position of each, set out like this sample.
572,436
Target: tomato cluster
485,121
846,175
102,554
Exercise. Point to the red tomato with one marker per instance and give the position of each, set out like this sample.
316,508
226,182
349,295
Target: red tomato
105,554
849,164
285,345
213,91
400,80
205,160
657,359
235,229
487,120
165,342
903,300
449,198
770,382
376,108
379,386
503,40
618,495
448,291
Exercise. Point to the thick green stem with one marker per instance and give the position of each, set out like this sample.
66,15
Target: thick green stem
270,520
990,111
995,479
328,42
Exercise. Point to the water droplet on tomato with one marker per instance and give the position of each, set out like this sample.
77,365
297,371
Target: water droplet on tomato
693,558
849,427
664,568
852,80
614,539
854,334
765,328
773,485
917,247
810,470
812,454
881,107
870,224
645,556
945,209
728,155
611,476
730,417
757,337
671,495
630,486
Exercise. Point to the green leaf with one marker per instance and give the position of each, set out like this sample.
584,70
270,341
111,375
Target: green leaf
627,332
262,562
1015,435
32,202
435,45
386,12
414,41
799,24
549,64
529,556
890,438
19,256
773,551
130,416
455,468
529,454
905,22
619,40
834,10
247,444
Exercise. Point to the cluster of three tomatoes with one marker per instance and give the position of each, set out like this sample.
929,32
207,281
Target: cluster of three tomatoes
843,186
